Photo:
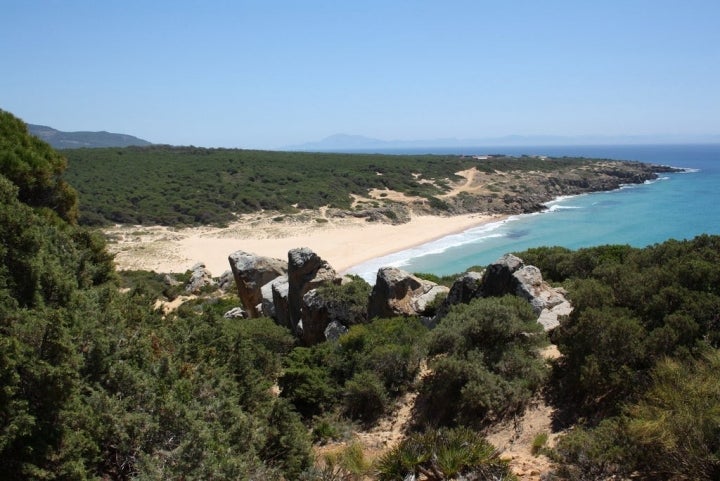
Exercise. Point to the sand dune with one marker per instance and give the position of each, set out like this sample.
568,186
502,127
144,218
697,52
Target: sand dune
344,242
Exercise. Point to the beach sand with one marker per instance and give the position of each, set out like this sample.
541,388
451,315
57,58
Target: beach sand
343,242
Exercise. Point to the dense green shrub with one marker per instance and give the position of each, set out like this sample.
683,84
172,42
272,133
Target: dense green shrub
676,423
632,307
635,366
365,397
386,353
310,390
36,169
97,384
486,363
600,453
188,185
671,432
350,297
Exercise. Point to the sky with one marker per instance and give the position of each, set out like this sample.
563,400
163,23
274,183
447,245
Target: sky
268,74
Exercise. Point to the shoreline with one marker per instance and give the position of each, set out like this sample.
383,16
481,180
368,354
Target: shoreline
343,243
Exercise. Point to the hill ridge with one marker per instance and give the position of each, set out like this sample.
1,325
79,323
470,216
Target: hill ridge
84,139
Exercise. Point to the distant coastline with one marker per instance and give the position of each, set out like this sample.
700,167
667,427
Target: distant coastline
674,206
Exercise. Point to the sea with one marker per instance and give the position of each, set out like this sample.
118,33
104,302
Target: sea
675,206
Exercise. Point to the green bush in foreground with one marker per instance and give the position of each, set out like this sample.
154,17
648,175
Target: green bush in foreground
361,372
676,424
442,455
486,363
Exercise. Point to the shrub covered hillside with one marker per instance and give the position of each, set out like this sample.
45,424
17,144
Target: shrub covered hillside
640,358
189,186
95,384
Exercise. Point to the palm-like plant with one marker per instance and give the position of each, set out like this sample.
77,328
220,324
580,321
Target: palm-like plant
444,454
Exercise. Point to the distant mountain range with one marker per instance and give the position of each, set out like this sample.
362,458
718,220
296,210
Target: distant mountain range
345,142
77,140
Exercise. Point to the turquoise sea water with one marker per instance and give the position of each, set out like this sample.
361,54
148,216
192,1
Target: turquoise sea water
677,206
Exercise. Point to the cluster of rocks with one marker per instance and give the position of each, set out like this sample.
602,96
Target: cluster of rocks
287,291
510,275
290,293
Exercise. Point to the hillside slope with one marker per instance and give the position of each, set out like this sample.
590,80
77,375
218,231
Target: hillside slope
75,140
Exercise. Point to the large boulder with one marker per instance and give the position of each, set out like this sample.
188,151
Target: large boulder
510,275
319,310
399,293
315,318
531,287
498,279
277,305
199,279
226,281
335,331
251,272
306,271
465,288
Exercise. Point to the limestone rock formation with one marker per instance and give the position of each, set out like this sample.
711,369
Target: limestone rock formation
315,317
170,281
510,275
200,278
465,288
251,272
399,293
226,281
280,288
498,278
306,271
334,331
531,287
319,311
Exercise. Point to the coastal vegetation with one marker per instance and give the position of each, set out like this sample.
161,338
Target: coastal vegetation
97,382
178,186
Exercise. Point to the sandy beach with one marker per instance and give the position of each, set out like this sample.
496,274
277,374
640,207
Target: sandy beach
343,242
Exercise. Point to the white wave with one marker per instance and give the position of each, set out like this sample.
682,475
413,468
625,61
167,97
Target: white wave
368,270
554,208
561,198
688,170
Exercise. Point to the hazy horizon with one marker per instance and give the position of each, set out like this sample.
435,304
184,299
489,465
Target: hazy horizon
276,74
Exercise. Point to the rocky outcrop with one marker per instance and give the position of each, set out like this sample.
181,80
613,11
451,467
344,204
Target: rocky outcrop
226,283
316,316
251,272
334,331
498,278
531,287
399,293
319,310
465,288
510,275
280,288
306,271
199,279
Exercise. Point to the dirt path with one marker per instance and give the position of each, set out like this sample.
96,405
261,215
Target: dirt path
515,438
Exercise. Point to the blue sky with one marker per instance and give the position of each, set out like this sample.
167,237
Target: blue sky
265,74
